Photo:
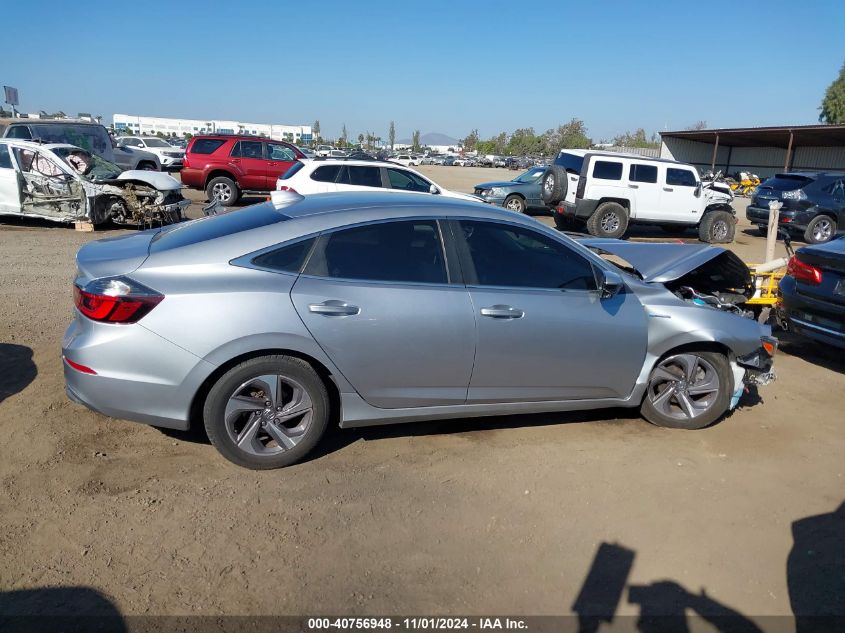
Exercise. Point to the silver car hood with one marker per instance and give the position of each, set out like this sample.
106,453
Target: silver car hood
157,179
662,262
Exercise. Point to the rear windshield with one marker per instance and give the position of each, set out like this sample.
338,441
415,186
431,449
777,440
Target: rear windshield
206,145
570,162
787,182
214,226
93,138
293,169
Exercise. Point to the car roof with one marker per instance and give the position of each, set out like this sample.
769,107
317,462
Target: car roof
626,155
52,122
241,137
364,162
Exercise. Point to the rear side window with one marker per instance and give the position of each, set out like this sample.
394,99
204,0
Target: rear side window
642,173
405,251
607,170
247,149
206,145
364,176
288,259
19,131
214,226
570,162
680,177
292,170
326,173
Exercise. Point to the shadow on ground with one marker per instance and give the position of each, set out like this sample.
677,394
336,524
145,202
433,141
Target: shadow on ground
17,369
806,349
66,609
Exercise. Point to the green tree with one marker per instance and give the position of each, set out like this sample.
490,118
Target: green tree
315,129
833,104
637,139
524,141
471,141
415,140
698,125
343,135
391,135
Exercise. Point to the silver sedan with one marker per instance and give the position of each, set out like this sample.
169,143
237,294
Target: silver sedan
265,323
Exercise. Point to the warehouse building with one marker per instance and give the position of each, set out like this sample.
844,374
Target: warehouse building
760,150
140,125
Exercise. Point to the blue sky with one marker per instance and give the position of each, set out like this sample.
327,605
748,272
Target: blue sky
437,66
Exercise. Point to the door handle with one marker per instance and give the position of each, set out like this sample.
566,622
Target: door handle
634,186
668,189
236,160
502,312
333,307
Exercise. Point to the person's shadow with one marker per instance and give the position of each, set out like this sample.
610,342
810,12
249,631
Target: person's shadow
17,369
815,572
66,609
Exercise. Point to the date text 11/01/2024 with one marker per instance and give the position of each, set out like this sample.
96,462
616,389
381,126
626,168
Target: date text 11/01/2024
418,623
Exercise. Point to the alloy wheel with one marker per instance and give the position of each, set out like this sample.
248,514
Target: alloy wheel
609,222
514,205
720,230
268,414
549,183
684,387
221,191
823,230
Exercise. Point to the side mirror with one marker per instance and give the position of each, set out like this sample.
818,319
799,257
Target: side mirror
433,189
610,283
698,190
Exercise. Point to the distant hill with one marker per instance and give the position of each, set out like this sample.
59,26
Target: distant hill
432,138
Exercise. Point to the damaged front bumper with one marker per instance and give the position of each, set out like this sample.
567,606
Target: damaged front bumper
758,364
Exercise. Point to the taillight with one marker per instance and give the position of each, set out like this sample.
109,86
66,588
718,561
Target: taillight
803,271
286,188
115,300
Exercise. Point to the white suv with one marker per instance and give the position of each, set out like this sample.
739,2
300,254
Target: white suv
608,191
323,175
169,156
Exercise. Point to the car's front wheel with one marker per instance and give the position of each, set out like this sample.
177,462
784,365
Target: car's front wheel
267,412
717,227
688,390
515,203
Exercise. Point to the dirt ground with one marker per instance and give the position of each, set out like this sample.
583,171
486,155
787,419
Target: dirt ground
491,516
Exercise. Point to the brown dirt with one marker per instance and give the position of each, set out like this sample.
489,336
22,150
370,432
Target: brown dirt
500,515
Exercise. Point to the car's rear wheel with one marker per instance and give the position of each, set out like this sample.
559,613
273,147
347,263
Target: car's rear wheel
267,412
146,165
610,219
223,189
821,229
688,390
515,203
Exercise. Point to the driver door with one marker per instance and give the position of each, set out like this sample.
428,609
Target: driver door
10,195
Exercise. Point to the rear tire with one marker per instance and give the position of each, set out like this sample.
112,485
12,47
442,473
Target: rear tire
821,229
514,203
224,189
246,436
609,220
146,165
717,227
553,185
670,396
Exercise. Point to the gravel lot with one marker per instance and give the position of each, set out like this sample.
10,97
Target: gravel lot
500,515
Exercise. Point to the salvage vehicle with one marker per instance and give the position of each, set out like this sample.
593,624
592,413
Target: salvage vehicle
607,191
812,293
69,184
813,204
227,165
368,309
519,195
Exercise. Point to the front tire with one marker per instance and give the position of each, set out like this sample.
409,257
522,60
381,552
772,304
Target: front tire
267,412
821,229
609,220
690,390
223,189
514,203
146,165
717,227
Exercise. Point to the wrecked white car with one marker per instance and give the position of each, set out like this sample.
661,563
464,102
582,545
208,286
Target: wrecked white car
68,184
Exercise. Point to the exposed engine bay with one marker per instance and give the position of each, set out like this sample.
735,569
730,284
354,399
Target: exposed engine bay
68,184
700,274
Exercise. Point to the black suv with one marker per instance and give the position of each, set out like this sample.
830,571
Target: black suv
813,204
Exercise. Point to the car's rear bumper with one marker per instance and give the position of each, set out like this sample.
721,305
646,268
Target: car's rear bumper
787,218
193,178
139,375
581,209
821,321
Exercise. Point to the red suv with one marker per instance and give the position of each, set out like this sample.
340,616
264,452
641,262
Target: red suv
226,166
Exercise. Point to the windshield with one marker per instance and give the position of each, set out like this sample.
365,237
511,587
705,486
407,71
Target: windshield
156,142
532,175
89,166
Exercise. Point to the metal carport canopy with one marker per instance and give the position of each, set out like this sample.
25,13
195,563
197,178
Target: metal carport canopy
802,135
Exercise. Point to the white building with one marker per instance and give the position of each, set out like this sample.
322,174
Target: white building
141,125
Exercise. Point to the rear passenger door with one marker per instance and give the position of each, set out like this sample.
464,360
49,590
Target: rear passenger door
358,178
678,199
379,301
248,158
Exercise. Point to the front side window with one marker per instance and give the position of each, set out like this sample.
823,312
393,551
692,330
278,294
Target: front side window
131,142
408,251
5,159
643,173
607,170
280,152
406,180
364,176
680,177
511,256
